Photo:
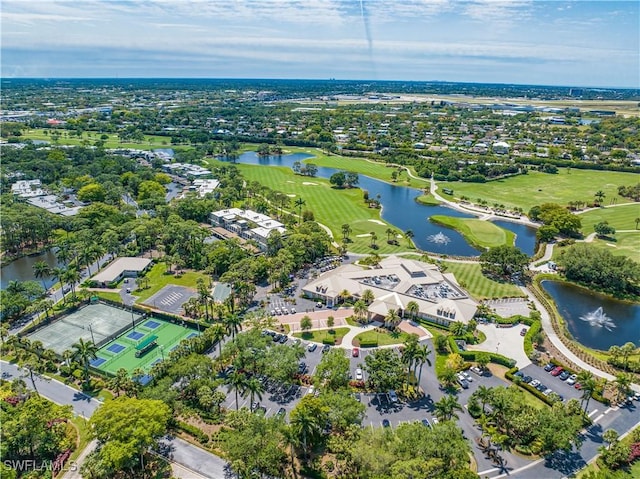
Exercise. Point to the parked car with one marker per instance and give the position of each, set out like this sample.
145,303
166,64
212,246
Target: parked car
520,374
523,331
476,369
284,338
359,375
535,383
393,397
302,367
311,390
547,391
358,397
467,376
355,352
527,379
557,371
578,386
463,382
281,412
293,310
541,387
572,379
549,367
386,423
312,347
564,375
326,348
425,422
434,420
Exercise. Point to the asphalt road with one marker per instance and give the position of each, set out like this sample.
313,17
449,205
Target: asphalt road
54,390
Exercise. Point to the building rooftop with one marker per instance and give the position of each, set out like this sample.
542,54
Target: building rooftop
120,265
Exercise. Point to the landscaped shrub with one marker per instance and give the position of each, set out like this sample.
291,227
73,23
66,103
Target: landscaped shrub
528,344
372,343
193,431
328,340
597,395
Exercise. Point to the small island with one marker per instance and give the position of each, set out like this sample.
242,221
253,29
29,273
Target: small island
480,234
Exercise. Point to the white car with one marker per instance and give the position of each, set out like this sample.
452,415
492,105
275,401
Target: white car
572,379
359,375
311,390
467,376
535,383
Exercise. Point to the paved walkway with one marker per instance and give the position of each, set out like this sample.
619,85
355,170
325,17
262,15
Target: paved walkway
75,472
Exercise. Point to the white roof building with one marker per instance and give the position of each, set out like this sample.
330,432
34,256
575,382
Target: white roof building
395,284
248,224
121,267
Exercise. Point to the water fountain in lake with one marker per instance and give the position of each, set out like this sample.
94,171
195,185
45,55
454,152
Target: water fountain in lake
598,318
439,238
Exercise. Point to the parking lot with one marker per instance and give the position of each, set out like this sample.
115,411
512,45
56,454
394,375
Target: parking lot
562,388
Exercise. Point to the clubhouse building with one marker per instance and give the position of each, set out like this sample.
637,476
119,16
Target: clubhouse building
394,284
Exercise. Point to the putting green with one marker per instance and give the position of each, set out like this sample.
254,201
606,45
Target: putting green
470,277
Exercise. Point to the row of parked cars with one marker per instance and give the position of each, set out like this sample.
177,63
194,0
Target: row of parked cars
283,310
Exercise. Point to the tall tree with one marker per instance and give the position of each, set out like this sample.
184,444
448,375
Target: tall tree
84,352
446,407
42,270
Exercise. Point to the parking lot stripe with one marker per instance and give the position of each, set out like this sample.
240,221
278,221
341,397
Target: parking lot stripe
593,412
488,471
598,418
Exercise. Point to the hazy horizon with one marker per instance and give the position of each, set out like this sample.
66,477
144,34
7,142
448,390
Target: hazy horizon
517,42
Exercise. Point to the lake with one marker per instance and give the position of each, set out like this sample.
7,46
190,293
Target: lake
21,269
595,320
400,209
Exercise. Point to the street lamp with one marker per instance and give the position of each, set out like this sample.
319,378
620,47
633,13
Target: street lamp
162,352
91,331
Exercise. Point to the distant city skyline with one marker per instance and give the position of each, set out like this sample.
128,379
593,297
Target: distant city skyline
573,43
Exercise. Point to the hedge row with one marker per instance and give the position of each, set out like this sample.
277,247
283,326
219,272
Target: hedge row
193,431
516,319
329,340
528,338
369,344
471,355
528,387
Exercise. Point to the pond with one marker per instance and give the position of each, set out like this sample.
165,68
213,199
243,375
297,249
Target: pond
595,320
21,269
400,209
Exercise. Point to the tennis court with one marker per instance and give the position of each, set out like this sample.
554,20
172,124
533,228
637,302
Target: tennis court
94,322
141,347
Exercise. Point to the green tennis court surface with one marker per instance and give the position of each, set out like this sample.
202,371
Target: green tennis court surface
152,339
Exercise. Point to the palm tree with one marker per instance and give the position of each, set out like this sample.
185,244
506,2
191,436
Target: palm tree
217,332
237,383
615,351
392,319
622,385
254,388
484,394
409,234
30,361
42,270
408,354
71,277
305,425
637,220
374,238
346,230
119,381
360,309
63,255
300,203
412,308
626,350
588,383
84,352
368,296
446,407
344,295
389,232
457,328
233,323
422,357
599,196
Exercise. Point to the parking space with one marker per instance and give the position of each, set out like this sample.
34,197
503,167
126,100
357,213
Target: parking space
508,307
171,298
564,388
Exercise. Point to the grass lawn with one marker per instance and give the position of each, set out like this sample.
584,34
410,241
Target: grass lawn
536,188
82,428
620,217
370,168
331,207
530,399
106,295
383,339
319,335
158,280
623,244
427,200
482,234
480,287
150,141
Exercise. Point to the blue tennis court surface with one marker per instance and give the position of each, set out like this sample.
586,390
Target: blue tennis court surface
135,335
192,335
97,362
115,348
151,324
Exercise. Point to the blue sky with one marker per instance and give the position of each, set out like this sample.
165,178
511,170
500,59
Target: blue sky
576,42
